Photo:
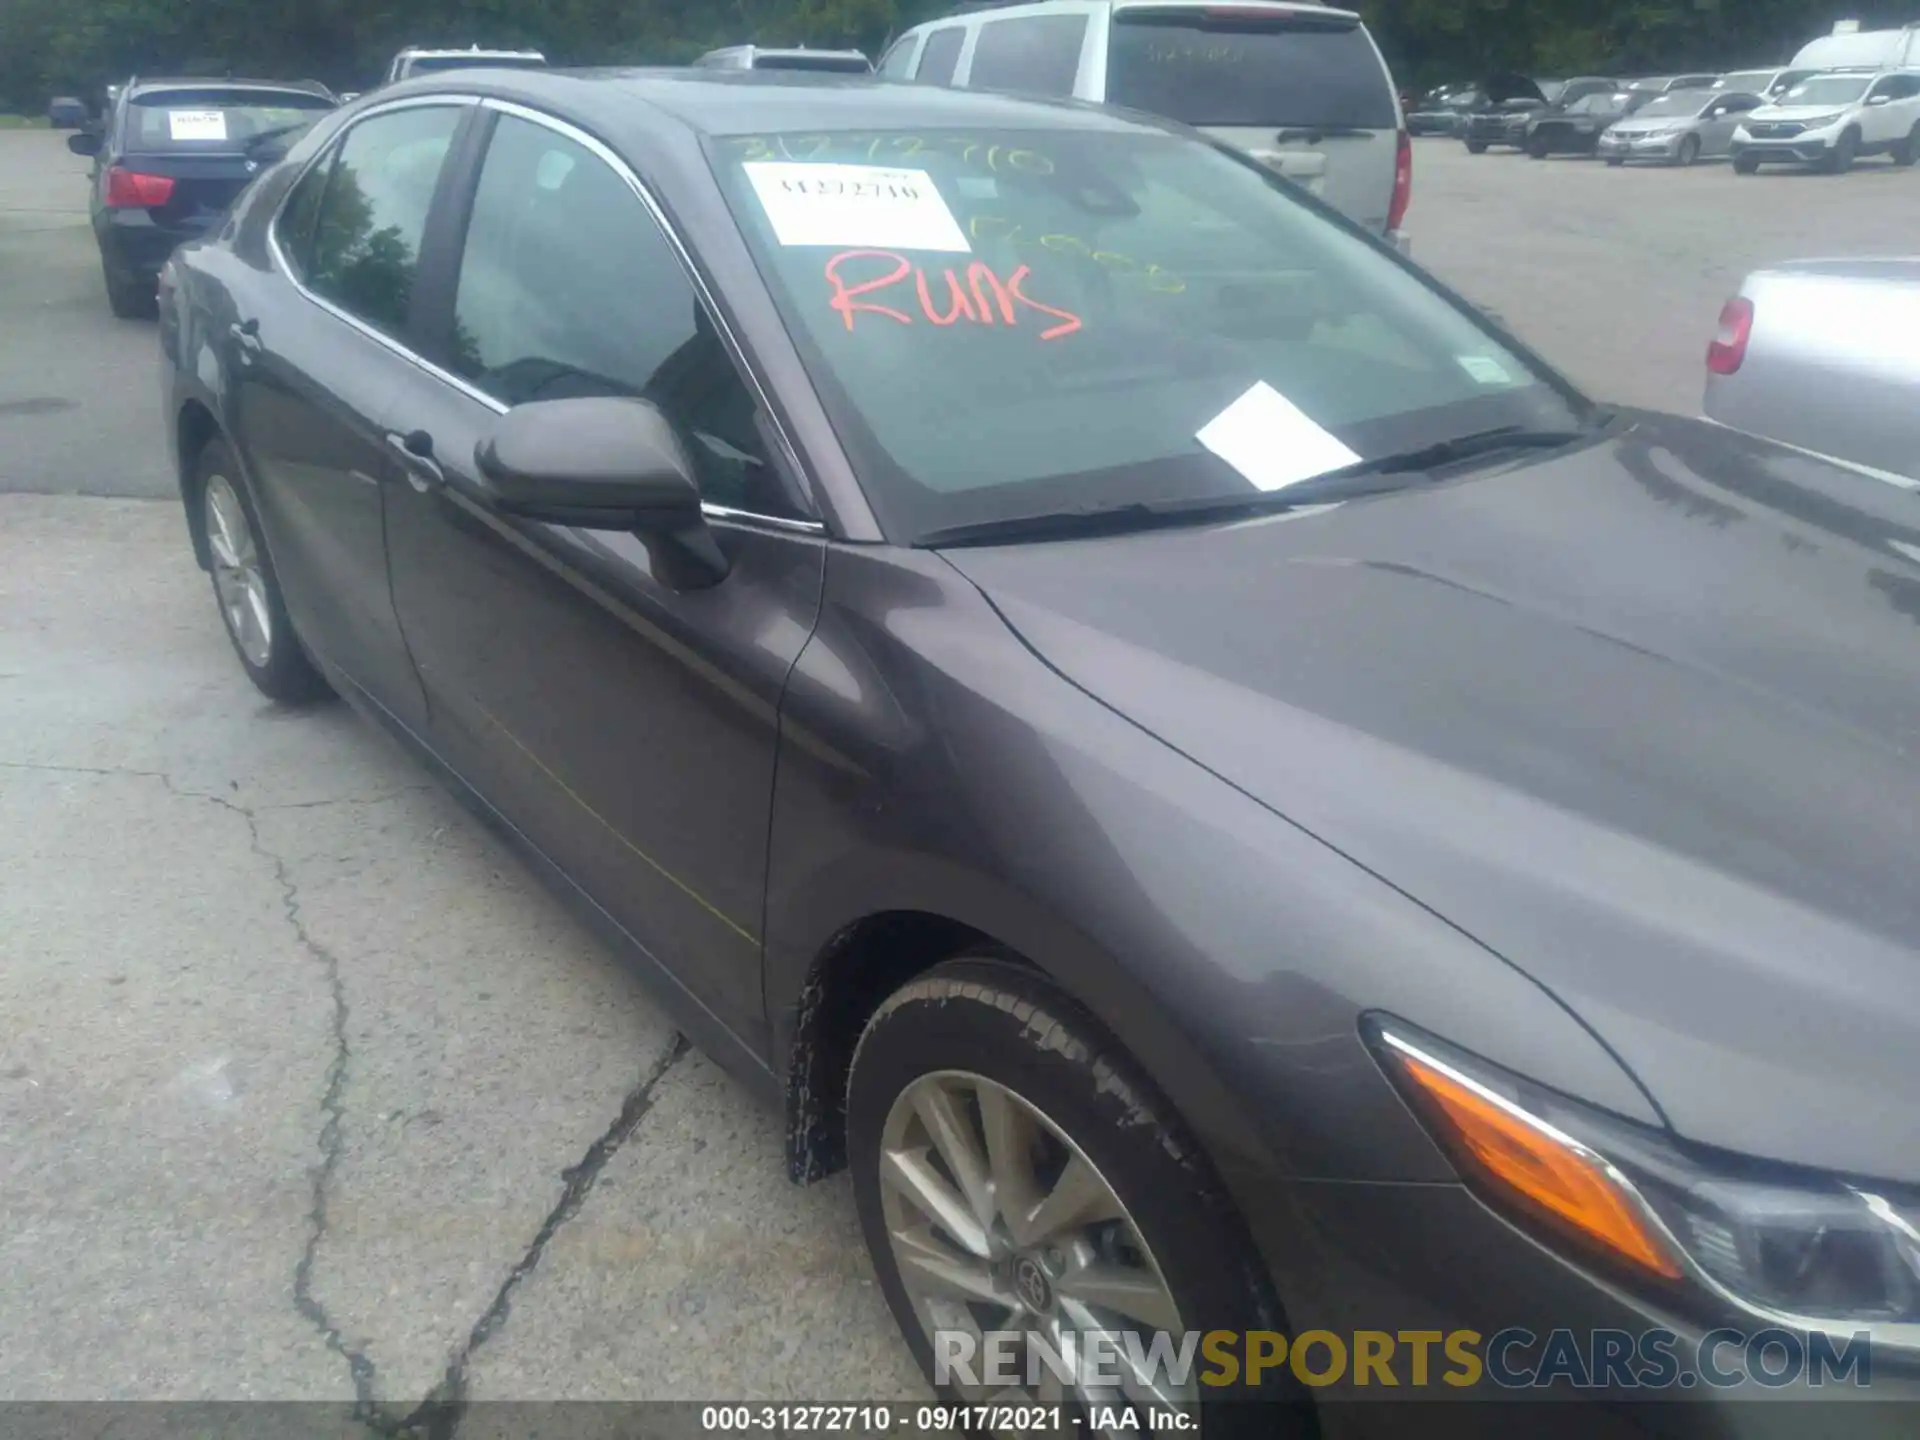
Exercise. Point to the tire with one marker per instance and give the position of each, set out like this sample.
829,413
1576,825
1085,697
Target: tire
975,1031
1907,151
1616,161
1539,146
245,588
1689,151
1476,147
1746,165
127,298
1840,159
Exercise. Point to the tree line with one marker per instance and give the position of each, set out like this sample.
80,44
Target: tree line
77,47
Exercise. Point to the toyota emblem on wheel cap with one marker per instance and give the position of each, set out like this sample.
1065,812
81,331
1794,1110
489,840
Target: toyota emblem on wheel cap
1030,1284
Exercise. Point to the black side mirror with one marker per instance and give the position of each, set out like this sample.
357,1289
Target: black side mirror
604,464
84,142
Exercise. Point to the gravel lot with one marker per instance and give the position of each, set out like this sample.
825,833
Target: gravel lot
306,1090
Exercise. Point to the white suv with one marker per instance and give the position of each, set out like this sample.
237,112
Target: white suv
1832,118
1299,87
416,60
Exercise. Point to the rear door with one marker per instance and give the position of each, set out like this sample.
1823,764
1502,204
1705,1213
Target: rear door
1304,91
198,139
315,373
1722,119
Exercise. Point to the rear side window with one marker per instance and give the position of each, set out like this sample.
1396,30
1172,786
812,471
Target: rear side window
1037,56
293,230
191,121
1241,69
940,56
366,244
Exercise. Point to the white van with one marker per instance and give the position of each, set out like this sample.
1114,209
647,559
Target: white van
1300,87
1851,48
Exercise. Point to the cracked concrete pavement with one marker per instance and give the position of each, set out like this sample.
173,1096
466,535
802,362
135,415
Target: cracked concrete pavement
308,1091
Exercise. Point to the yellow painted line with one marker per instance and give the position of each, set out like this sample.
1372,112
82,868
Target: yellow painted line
655,865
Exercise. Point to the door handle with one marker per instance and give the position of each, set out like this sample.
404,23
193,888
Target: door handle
246,334
416,453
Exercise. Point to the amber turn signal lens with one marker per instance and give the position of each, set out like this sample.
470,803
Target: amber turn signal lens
1537,1165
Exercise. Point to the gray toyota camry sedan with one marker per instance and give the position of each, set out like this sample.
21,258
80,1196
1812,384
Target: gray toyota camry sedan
1289,853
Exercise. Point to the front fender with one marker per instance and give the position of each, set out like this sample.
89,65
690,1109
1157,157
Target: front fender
932,764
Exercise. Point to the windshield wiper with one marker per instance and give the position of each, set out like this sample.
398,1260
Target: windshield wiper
1351,482
1451,452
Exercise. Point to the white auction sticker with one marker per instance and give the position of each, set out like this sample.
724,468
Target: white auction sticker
197,124
848,205
1485,369
1272,441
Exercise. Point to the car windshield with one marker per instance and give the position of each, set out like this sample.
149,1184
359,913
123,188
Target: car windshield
1750,82
427,64
1680,103
1009,323
799,60
164,121
1827,90
1598,103
1248,67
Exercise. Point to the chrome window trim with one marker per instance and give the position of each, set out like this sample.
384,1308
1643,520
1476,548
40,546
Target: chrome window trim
473,392
734,349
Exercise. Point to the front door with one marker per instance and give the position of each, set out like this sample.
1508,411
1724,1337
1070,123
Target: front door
626,728
314,379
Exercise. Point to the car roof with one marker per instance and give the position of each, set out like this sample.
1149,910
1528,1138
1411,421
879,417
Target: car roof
986,9
434,52
147,86
746,102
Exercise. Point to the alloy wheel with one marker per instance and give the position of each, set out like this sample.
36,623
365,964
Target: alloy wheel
999,1223
238,579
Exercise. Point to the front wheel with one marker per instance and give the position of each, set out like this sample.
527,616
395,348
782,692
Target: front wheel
1840,158
1016,1177
1476,147
1539,147
1689,150
1616,161
1745,165
245,586
1908,150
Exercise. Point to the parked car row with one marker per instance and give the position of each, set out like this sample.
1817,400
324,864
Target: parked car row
1827,119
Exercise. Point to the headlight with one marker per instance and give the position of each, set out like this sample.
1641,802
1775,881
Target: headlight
1820,122
1800,1246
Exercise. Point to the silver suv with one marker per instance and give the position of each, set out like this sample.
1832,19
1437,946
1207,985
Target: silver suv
416,60
1830,119
1299,87
758,57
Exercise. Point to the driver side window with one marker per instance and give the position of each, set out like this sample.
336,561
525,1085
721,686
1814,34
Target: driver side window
569,288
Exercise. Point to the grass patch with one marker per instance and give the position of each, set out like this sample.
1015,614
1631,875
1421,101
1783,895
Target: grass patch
23,122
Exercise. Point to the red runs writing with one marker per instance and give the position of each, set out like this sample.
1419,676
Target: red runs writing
977,296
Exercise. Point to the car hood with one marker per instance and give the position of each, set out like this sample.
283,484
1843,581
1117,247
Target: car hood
1795,112
1643,718
1501,89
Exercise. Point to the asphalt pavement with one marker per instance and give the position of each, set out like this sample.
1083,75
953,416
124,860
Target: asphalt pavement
307,1090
